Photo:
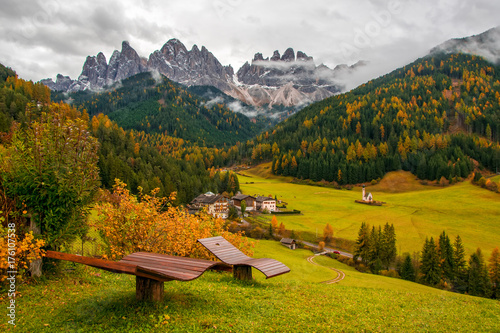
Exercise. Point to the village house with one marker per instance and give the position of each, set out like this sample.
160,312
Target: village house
289,243
265,203
216,205
249,200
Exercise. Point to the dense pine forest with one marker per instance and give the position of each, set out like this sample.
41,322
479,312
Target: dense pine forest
436,118
156,105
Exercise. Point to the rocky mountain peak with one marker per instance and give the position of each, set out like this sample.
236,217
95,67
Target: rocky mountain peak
303,57
195,49
276,56
63,83
173,47
94,71
101,58
258,57
289,55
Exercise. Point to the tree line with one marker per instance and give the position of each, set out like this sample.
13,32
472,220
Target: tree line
375,247
443,264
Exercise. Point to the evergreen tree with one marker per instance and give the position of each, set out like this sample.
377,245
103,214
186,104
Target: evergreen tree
243,207
362,247
494,270
478,282
388,248
407,271
446,257
459,266
375,250
233,213
430,263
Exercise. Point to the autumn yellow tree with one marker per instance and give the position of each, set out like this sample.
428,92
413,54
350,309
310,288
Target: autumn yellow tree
281,229
328,233
148,223
274,223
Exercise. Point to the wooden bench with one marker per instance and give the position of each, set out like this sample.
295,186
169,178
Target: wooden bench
242,264
151,269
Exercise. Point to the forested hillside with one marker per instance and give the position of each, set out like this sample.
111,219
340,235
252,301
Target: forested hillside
15,95
121,154
264,116
433,118
158,105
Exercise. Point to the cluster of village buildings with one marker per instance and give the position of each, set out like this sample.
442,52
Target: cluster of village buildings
218,205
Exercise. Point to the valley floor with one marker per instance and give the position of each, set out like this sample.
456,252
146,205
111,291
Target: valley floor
417,211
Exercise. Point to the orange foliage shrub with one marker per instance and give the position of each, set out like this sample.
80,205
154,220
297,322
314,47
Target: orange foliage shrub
27,249
129,224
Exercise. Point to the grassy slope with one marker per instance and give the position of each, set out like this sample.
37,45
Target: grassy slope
423,211
96,301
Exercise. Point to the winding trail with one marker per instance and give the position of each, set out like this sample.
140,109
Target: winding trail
340,276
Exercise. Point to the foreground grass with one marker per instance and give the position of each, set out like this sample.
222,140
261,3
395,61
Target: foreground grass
417,212
90,300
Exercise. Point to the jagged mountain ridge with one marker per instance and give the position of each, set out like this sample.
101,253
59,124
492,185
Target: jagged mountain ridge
286,80
97,73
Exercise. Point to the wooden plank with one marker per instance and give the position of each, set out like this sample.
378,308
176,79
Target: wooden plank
172,267
145,256
166,275
112,266
228,253
163,264
160,261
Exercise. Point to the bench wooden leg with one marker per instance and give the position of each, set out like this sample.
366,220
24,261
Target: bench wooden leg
242,272
148,289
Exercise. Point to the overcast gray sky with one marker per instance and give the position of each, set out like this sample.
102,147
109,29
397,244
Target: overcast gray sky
40,39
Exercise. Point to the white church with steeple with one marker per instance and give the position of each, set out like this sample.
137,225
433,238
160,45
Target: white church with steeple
367,197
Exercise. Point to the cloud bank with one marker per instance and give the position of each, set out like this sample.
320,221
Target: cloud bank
40,39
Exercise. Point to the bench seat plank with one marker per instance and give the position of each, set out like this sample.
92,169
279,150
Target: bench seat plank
172,267
229,254
160,267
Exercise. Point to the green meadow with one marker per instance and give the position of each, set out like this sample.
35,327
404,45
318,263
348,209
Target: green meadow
417,211
85,299
79,298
